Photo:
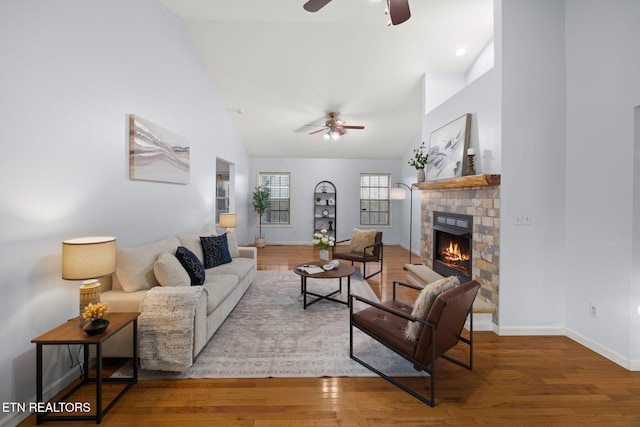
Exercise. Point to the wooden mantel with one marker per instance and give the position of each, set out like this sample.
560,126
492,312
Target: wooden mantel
463,181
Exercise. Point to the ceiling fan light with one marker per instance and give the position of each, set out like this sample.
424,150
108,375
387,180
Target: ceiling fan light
327,135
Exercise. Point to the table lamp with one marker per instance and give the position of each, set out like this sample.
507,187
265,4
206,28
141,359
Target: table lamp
88,258
228,221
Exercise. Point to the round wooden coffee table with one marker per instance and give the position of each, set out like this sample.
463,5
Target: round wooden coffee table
339,272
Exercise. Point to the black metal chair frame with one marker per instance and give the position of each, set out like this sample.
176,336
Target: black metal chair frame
364,257
429,370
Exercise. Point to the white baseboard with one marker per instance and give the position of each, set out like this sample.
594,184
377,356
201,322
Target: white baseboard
481,322
629,364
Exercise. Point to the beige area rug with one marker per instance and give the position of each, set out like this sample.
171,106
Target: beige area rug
269,334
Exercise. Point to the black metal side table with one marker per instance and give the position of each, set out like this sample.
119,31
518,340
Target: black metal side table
71,333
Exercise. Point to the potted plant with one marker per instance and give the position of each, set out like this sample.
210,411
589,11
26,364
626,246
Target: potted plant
261,202
419,160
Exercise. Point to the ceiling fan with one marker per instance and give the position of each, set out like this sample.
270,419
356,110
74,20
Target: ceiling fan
398,10
334,128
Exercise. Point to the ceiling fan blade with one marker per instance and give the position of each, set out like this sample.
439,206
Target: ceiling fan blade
398,11
341,131
315,5
316,131
352,127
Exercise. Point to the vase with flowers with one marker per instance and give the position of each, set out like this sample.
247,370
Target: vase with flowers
94,315
419,160
322,240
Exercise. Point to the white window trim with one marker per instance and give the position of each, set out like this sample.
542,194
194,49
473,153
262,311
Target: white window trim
389,211
275,225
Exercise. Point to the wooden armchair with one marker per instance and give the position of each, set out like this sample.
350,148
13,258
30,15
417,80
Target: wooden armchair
441,329
371,253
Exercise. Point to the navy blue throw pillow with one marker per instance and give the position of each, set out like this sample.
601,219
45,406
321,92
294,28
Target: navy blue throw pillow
192,264
216,250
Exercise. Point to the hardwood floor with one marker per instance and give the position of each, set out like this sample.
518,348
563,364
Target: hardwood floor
516,381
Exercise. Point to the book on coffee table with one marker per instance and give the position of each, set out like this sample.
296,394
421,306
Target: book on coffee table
311,269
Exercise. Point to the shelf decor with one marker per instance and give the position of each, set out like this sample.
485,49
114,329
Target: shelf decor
447,148
325,209
94,315
419,161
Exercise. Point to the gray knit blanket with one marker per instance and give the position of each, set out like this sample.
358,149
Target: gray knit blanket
166,327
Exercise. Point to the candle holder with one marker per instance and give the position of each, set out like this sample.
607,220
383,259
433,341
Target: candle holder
471,167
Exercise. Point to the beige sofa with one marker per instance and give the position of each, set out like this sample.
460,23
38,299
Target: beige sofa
150,267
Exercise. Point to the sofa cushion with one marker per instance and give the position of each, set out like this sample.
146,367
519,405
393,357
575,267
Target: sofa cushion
134,266
232,241
215,250
238,267
425,301
169,271
362,238
192,242
219,286
192,265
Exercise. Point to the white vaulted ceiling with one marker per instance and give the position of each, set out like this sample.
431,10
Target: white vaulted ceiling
284,68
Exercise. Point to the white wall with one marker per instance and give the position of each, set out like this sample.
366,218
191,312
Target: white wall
603,90
438,87
532,265
481,99
634,349
305,174
483,63
70,73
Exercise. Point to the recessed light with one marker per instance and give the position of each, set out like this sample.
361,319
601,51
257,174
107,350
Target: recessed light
460,51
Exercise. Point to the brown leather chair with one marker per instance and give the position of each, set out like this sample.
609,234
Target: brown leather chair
368,255
386,322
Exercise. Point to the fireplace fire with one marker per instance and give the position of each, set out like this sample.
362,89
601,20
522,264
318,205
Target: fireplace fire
452,244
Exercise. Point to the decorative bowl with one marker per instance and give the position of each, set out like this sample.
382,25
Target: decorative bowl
96,327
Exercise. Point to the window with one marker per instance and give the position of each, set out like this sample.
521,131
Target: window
278,185
374,199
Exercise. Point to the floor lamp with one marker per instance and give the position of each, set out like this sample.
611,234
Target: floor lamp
398,193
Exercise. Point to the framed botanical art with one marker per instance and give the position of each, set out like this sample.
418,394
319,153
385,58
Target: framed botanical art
447,148
156,154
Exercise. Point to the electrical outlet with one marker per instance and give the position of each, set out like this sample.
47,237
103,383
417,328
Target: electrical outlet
517,219
593,310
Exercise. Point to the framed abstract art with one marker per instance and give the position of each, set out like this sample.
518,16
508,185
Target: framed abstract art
447,148
156,154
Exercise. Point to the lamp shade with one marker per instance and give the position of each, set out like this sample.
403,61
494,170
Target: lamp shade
398,193
88,257
228,220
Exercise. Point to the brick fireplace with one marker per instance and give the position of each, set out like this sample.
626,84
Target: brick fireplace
477,196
